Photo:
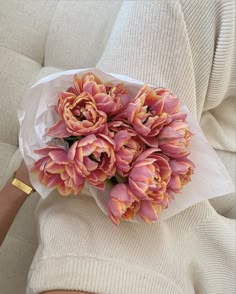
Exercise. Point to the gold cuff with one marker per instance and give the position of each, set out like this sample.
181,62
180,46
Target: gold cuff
22,186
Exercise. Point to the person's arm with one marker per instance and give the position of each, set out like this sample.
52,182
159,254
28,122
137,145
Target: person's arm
11,200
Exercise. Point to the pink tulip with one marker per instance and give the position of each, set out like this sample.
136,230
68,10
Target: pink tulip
122,204
171,102
149,211
109,98
73,180
174,139
92,84
128,147
150,175
117,98
113,100
55,171
117,125
79,116
89,83
182,170
94,156
146,114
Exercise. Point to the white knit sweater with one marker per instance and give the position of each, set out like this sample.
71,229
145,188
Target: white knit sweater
189,47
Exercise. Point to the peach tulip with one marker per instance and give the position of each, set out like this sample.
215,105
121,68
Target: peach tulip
149,211
128,147
117,125
182,170
79,116
94,156
171,102
55,171
109,98
146,114
150,175
113,100
174,139
89,83
122,204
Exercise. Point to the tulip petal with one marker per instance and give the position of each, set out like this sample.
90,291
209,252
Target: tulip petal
72,151
175,184
63,190
147,153
142,174
46,150
90,164
179,116
167,134
171,104
138,190
87,140
59,156
178,167
120,192
120,138
77,84
150,141
37,167
147,211
59,130
114,219
55,168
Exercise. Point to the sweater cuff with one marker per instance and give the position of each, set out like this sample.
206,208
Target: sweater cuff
95,275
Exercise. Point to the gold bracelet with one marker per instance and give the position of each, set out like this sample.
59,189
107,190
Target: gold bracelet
22,186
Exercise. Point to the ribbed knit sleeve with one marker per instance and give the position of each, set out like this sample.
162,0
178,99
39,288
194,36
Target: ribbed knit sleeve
187,46
81,249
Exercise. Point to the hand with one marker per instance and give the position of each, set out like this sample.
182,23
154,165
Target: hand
23,174
11,200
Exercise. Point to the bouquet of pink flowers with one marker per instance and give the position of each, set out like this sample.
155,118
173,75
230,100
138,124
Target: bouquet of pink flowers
130,143
138,143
